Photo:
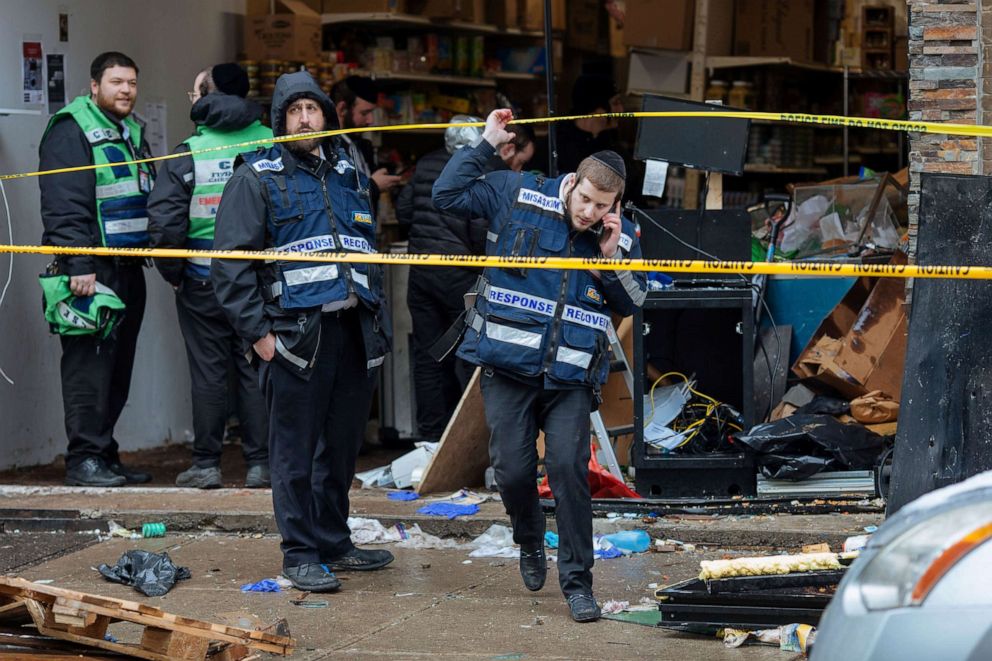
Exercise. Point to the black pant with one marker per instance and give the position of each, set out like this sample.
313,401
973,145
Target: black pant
316,428
436,298
211,347
515,411
96,374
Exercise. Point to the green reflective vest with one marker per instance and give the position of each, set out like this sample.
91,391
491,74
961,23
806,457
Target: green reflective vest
211,170
121,190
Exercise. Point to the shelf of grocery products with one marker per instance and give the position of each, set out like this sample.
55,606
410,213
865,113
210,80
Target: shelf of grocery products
743,62
440,79
397,20
767,168
837,159
514,75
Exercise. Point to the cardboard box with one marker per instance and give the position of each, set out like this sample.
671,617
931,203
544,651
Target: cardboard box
434,8
774,28
293,36
472,11
657,73
584,19
861,345
260,7
502,13
356,6
530,14
665,24
720,28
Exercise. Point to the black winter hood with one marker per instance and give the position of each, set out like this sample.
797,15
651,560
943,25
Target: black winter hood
224,112
293,86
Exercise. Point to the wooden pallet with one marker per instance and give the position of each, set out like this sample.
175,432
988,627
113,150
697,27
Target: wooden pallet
82,618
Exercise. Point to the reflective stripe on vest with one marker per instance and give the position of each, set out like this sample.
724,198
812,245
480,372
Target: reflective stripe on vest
297,223
120,202
510,335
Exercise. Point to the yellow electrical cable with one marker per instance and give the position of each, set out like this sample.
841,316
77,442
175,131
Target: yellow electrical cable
655,385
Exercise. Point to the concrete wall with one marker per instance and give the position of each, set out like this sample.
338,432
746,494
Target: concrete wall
170,41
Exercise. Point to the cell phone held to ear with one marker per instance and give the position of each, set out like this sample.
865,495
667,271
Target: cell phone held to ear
597,229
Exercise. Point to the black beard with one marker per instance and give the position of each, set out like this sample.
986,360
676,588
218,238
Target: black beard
304,146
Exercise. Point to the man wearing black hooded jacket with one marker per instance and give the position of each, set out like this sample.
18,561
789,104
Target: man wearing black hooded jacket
181,212
435,296
319,329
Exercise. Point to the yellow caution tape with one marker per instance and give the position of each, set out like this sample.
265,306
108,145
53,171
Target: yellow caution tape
791,118
564,263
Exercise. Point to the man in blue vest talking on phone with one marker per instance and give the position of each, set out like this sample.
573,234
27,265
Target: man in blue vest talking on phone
540,336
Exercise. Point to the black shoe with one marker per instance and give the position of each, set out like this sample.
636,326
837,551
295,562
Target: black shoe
92,472
130,476
312,577
257,477
200,477
533,568
360,560
584,607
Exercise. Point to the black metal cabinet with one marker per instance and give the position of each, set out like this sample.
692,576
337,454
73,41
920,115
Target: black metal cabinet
728,368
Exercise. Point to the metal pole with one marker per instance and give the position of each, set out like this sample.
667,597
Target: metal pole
847,92
549,75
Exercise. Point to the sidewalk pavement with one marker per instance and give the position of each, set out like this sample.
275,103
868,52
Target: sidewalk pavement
428,603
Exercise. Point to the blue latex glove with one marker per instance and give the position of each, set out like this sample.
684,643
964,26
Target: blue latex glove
608,554
402,495
265,585
450,510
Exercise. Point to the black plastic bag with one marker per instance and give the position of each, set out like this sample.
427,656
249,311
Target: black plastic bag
799,446
152,574
824,404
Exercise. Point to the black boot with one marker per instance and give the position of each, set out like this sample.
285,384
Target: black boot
312,577
92,472
584,607
533,568
360,560
130,476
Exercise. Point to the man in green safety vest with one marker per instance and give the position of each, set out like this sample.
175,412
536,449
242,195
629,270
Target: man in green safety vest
99,207
181,213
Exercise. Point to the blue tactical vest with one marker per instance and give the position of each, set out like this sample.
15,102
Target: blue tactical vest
310,215
539,321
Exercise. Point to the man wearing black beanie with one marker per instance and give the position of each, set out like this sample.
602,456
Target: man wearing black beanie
355,99
181,213
540,337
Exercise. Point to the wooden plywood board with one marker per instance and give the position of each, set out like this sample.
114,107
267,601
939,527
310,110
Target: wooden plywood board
617,408
462,456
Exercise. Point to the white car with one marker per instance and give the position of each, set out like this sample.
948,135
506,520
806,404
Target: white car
922,588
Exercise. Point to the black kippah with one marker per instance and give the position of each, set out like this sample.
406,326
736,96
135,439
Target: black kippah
364,88
612,160
230,78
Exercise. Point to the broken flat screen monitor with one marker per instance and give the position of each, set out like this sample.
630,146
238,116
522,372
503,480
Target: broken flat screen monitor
717,145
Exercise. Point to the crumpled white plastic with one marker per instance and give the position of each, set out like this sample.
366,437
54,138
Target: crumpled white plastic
496,542
371,531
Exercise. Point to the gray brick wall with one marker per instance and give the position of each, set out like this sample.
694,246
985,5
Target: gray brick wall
950,64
